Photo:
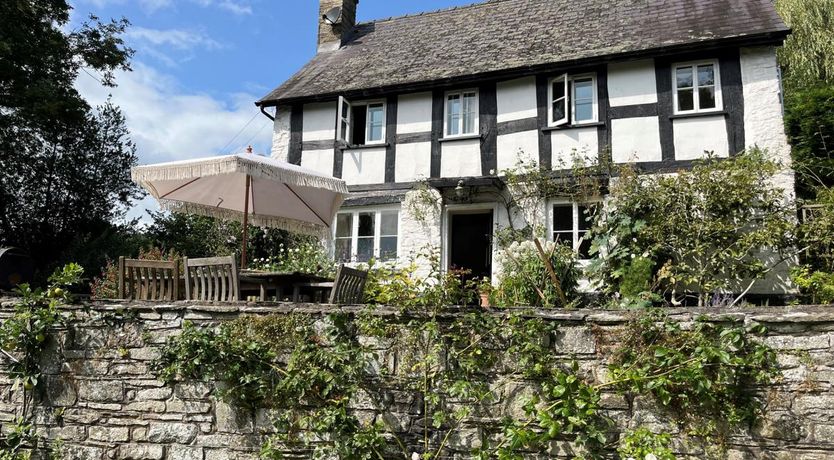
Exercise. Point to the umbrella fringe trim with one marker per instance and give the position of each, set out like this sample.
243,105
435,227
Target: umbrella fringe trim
280,223
236,165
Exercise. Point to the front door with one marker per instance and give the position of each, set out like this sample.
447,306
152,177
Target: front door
470,241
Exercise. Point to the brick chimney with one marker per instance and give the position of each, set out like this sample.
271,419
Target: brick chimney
333,36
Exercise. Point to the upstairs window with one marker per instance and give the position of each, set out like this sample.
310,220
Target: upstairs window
573,99
361,123
697,87
461,114
367,234
571,223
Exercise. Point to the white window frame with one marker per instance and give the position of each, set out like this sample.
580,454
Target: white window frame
575,217
696,98
570,100
354,232
346,136
461,93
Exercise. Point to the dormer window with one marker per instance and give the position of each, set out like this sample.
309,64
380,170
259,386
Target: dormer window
697,87
461,113
361,123
573,99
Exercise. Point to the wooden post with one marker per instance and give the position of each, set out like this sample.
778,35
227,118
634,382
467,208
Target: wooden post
121,269
243,261
553,277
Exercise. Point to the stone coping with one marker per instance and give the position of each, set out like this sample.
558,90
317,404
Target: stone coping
785,314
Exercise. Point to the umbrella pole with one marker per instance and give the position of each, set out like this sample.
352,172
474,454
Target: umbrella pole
243,260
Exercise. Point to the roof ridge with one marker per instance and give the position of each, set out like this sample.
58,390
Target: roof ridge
430,12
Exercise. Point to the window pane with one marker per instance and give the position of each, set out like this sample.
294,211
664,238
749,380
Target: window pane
558,89
344,225
583,90
345,133
686,100
453,115
684,77
376,120
343,249
366,224
470,112
388,248
586,216
706,97
565,238
584,111
706,75
559,110
563,218
584,246
365,249
389,223
345,110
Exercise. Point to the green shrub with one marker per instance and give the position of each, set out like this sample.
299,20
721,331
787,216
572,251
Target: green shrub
642,444
526,280
310,258
817,286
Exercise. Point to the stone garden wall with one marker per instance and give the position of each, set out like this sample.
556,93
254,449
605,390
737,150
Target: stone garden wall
102,401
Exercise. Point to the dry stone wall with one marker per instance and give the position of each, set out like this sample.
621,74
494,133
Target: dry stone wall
102,401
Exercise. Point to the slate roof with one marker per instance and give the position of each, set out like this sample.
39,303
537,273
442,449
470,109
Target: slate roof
506,35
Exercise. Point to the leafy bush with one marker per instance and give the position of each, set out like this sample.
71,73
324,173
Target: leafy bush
701,230
809,122
817,286
305,258
526,280
642,444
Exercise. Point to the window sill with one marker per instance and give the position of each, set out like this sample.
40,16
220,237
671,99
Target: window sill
698,114
461,138
363,147
579,126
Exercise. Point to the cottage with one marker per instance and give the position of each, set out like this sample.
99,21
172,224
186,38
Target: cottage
452,98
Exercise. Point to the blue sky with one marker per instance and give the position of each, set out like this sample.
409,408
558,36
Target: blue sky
201,64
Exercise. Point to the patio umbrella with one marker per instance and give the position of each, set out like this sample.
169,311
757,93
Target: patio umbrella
248,188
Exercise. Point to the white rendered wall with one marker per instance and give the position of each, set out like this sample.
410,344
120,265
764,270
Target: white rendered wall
632,83
460,158
517,99
320,122
572,144
414,113
281,133
318,160
364,166
635,139
512,148
413,162
694,136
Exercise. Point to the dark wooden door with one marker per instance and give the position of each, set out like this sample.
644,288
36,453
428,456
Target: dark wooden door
471,244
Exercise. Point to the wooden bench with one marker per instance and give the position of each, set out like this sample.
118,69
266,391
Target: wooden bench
148,280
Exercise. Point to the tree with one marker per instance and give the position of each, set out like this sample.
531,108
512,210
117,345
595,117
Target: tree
64,166
808,55
809,121
702,231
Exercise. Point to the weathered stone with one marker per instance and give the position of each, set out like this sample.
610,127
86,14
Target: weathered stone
147,406
575,340
782,342
154,394
232,420
101,391
188,407
192,390
167,433
141,452
108,434
60,391
185,453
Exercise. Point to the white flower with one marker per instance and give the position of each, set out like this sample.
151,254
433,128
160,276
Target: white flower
651,457
415,456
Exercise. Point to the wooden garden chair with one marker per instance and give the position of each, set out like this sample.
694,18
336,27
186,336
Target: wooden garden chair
148,280
213,279
348,288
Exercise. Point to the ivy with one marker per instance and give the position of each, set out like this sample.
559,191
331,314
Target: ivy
643,444
705,375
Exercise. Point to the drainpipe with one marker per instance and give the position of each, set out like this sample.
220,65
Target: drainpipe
268,115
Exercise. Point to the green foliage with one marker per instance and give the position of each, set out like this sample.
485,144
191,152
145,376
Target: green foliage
641,444
702,230
525,279
817,286
808,53
24,338
705,375
310,258
809,123
106,286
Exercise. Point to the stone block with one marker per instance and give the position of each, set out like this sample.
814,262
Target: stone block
185,453
157,407
188,407
824,433
67,433
574,340
60,391
101,391
168,433
144,354
192,390
83,452
141,452
232,420
785,342
815,407
155,394
108,434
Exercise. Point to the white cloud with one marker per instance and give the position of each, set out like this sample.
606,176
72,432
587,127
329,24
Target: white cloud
169,123
176,38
